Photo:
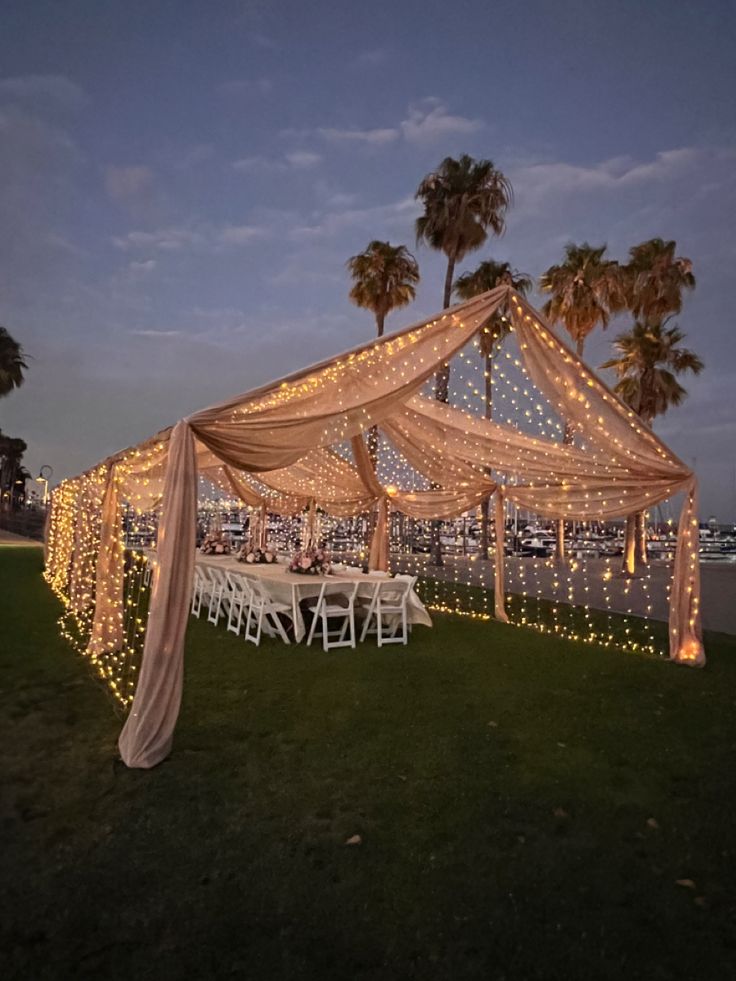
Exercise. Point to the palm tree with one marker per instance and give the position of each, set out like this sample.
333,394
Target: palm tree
18,490
487,276
11,453
384,279
586,290
463,199
12,364
648,363
656,279
649,360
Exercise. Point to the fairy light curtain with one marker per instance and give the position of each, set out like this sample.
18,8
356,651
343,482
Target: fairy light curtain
275,448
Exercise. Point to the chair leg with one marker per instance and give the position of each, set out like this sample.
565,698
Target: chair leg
236,607
279,627
325,633
352,627
366,625
312,628
379,625
214,604
249,634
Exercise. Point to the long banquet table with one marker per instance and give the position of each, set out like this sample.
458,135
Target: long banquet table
290,588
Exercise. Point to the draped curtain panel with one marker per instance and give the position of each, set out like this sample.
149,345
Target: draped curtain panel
282,447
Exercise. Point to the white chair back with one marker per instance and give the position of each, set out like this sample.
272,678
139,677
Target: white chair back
323,611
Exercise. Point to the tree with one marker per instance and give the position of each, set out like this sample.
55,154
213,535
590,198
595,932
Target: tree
649,360
12,364
648,363
384,279
585,290
487,276
655,281
463,199
11,453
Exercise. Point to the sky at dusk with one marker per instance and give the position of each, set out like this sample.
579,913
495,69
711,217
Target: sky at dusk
182,182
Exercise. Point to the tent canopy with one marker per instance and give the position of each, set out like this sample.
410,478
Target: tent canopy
300,440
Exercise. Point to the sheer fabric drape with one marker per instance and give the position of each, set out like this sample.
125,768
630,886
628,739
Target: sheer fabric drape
276,449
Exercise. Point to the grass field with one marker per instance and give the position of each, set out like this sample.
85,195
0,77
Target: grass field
526,808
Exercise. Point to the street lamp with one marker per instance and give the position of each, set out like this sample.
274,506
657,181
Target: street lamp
43,478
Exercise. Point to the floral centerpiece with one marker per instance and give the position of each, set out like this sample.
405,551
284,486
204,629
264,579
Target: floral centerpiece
216,544
257,555
310,562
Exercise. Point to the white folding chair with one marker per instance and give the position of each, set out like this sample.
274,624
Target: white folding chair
220,594
323,610
201,591
412,580
388,609
263,614
241,600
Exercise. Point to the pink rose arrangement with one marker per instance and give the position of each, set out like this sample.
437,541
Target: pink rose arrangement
258,555
310,562
217,544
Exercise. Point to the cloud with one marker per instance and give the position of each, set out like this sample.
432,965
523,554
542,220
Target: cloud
295,160
39,162
128,183
55,90
427,122
238,234
163,334
171,239
250,164
385,216
539,185
430,121
369,137
245,87
174,239
303,158
62,244
142,268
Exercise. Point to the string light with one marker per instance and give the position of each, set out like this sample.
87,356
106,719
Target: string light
422,454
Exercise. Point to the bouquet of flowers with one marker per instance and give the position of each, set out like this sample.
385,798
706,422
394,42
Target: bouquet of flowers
259,555
310,562
217,544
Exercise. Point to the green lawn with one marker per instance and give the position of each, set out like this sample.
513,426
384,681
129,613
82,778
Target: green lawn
525,805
